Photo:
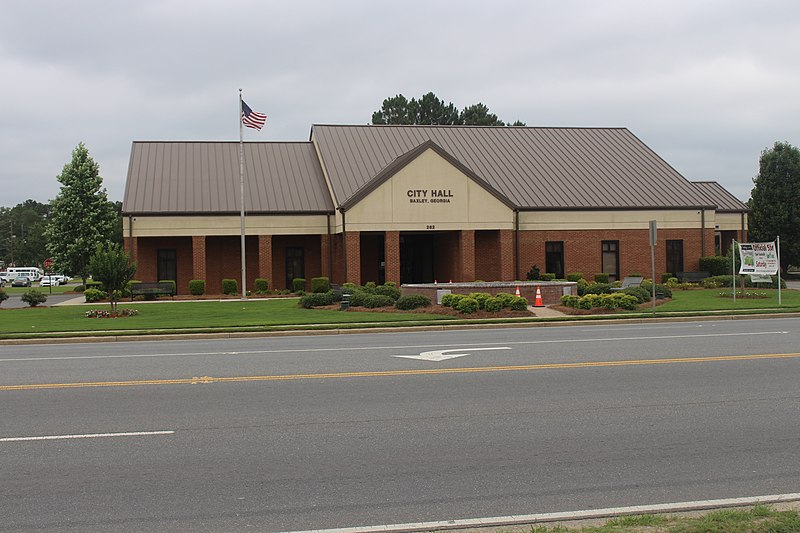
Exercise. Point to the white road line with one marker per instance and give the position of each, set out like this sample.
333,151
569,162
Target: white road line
394,347
499,521
88,436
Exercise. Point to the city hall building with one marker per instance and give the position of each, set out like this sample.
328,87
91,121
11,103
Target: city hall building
415,204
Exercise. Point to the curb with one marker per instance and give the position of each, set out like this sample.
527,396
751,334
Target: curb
520,520
388,329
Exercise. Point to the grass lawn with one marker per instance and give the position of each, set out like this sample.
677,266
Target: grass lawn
188,315
710,300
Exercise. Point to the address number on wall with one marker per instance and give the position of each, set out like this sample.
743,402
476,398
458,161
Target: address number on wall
430,226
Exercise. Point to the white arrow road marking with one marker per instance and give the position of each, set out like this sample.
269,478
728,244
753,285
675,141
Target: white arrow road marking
442,355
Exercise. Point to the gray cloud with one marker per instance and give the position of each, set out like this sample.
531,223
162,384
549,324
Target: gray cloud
707,85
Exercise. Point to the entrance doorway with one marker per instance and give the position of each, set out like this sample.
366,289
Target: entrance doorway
295,265
416,258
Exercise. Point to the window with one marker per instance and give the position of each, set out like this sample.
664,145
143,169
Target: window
295,265
554,258
674,257
610,259
167,267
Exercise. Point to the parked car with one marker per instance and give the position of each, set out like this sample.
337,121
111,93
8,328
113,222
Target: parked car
8,277
21,281
61,278
49,281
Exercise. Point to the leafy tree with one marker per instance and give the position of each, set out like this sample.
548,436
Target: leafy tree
775,201
22,239
81,215
430,110
112,266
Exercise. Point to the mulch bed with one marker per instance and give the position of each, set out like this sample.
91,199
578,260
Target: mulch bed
647,306
437,310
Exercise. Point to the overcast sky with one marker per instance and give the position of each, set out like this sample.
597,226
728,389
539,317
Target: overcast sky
706,84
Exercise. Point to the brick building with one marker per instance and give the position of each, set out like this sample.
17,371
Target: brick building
419,204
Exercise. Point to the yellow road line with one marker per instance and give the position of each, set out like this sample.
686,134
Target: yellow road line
389,373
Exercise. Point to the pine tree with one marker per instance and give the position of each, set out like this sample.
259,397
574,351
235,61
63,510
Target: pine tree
81,217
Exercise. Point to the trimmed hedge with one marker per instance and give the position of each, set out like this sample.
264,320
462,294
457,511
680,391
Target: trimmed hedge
637,292
715,265
93,295
377,300
298,284
548,276
230,286
601,301
518,304
574,276
3,296
317,299
173,291
467,305
321,284
481,298
388,290
197,287
493,304
451,300
601,277
412,301
261,286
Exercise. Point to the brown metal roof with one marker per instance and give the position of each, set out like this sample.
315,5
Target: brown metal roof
203,177
716,194
535,168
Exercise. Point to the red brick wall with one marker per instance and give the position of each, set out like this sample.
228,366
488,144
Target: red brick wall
370,260
487,252
506,254
582,249
353,251
467,255
224,260
312,258
392,255
337,249
265,259
446,256
147,263
198,257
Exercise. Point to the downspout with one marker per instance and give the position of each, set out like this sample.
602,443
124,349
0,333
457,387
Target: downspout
516,243
330,248
130,237
702,233
741,234
344,244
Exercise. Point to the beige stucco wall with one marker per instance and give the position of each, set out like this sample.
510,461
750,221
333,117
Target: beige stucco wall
611,220
730,221
173,226
429,194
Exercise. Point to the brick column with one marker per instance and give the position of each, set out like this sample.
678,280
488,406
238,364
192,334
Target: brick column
199,257
265,259
391,253
507,255
325,255
131,245
467,253
353,250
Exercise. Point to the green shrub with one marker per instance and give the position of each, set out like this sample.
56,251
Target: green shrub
639,293
665,276
626,301
388,290
569,300
493,304
533,274
377,300
261,286
230,286
321,284
370,285
597,288
601,277
548,276
574,276
412,301
93,295
636,275
197,287
317,299
582,284
298,284
715,282
467,305
3,296
672,283
505,298
90,284
481,298
715,265
79,288
391,283
451,300
172,290
34,297
349,287
662,291
518,304
358,297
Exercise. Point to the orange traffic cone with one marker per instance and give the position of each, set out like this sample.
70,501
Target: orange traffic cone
517,292
538,302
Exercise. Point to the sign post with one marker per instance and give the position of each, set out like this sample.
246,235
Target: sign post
48,264
653,238
761,258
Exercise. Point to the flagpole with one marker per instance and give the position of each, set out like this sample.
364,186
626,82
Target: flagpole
241,196
778,240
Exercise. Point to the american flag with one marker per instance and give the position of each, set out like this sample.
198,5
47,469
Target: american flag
252,119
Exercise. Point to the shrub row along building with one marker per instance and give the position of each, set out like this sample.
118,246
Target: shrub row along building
419,204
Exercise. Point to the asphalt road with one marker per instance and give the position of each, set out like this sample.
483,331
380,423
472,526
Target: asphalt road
298,433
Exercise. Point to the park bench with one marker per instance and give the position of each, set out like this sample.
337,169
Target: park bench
152,289
629,281
691,277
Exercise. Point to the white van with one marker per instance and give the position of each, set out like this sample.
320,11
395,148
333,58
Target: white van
32,273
